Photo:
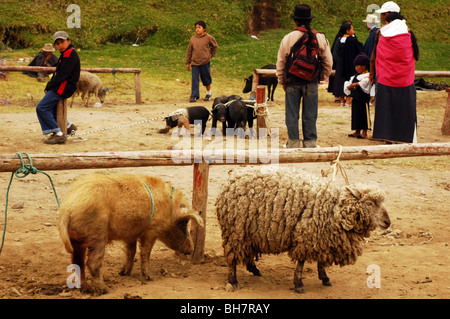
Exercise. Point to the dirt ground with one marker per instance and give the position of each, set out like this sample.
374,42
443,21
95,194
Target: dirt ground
412,255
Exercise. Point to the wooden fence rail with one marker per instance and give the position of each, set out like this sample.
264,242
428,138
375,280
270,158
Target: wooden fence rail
136,71
101,160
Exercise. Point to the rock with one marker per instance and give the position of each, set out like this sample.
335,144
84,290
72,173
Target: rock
18,205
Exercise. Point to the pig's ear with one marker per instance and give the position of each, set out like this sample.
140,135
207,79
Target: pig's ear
187,214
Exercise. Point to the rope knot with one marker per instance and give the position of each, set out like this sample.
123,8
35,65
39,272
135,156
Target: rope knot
336,164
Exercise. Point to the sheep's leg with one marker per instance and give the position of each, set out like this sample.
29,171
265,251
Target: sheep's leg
82,97
129,259
87,101
251,267
232,279
298,283
323,275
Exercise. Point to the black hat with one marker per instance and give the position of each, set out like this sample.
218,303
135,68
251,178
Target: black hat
361,59
302,12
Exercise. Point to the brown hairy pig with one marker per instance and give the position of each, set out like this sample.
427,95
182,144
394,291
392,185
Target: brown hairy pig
99,209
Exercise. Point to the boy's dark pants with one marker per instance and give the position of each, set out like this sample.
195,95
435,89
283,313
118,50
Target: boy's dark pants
46,113
203,73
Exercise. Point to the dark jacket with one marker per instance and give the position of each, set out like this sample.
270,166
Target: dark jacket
64,80
368,45
347,52
39,60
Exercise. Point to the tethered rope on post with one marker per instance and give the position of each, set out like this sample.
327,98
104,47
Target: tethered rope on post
21,173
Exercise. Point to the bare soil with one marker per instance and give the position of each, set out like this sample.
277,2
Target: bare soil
413,254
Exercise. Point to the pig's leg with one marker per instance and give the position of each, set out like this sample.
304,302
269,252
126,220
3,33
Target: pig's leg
95,255
147,243
130,251
224,128
78,254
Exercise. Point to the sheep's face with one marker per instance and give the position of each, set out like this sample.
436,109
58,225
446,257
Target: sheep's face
378,214
102,95
361,210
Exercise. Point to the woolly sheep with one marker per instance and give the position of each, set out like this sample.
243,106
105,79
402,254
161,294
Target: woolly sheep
268,211
89,83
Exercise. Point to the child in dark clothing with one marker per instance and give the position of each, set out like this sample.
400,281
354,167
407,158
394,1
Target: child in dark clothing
61,86
358,87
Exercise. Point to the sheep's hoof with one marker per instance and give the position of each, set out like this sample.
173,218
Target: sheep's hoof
230,288
257,273
299,290
254,270
327,283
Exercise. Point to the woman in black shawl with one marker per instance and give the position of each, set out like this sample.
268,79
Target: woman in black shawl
345,51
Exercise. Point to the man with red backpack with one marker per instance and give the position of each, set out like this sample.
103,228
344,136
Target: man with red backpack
304,59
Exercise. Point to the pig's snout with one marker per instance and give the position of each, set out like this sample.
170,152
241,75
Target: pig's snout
187,248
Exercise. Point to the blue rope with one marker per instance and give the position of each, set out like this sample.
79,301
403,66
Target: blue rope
153,203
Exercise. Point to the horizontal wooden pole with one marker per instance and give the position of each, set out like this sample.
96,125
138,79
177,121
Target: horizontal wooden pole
24,68
100,160
424,74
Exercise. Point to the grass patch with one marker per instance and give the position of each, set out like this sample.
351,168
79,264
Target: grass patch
163,29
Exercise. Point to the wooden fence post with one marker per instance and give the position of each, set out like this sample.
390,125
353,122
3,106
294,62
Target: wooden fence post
260,108
199,203
445,129
137,87
61,115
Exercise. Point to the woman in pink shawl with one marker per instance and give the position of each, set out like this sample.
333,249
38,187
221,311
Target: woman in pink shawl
395,99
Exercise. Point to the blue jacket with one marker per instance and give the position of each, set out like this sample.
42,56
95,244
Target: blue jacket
368,46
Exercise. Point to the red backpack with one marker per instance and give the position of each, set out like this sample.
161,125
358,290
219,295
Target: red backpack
302,63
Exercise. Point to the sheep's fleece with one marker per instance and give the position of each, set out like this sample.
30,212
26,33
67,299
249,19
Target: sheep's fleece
273,210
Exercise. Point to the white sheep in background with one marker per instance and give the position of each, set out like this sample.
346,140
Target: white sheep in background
268,211
89,83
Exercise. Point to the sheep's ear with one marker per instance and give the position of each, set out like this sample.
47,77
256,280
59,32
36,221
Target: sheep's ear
354,192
